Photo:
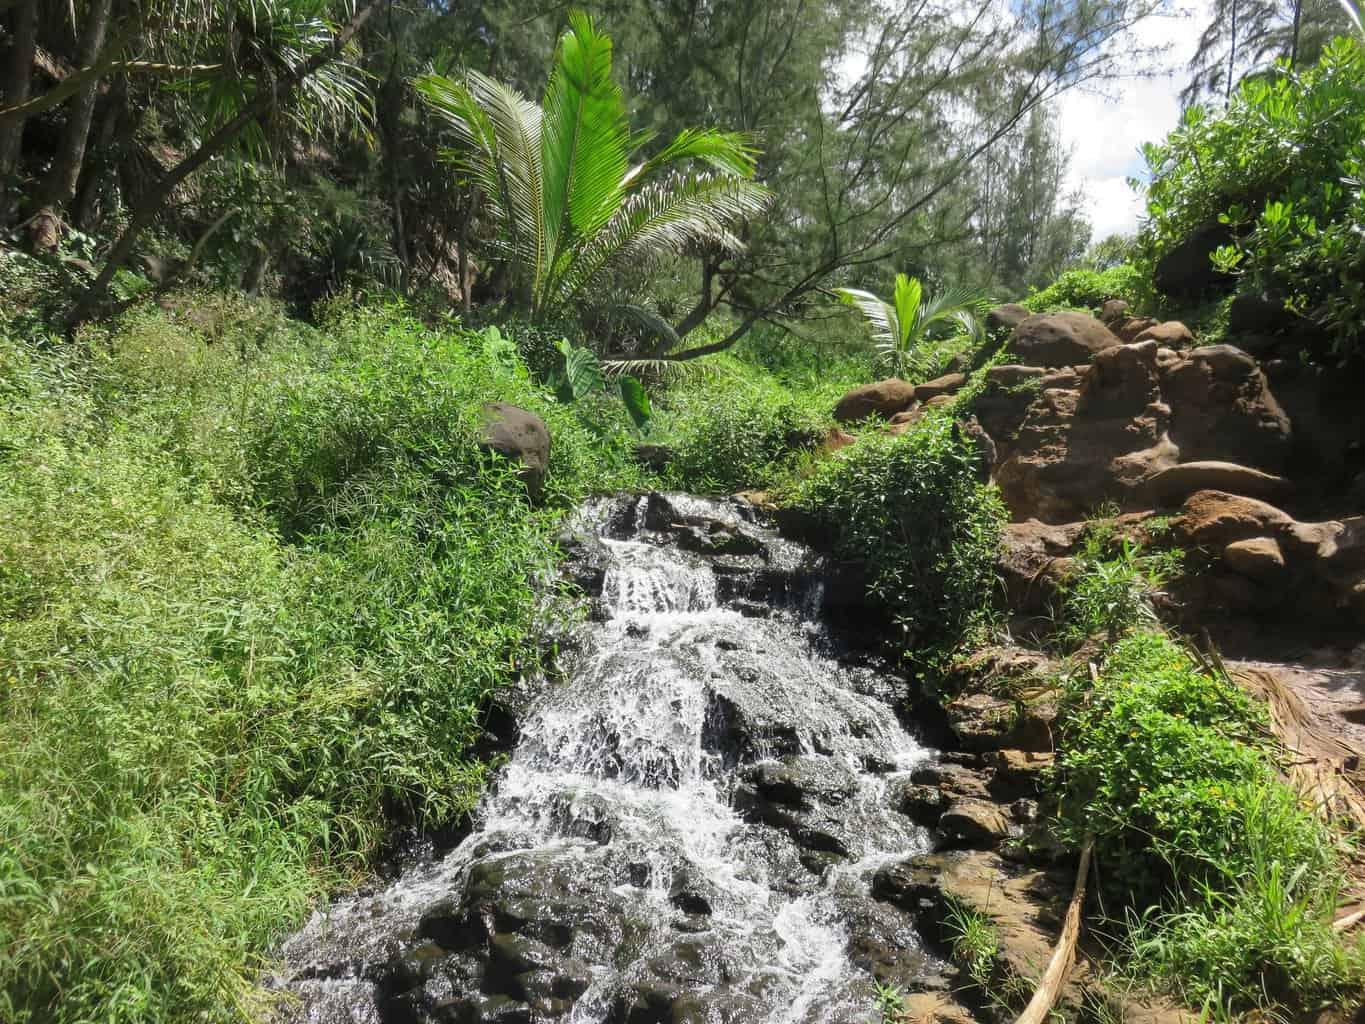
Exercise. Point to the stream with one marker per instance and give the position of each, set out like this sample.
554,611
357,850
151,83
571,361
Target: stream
687,825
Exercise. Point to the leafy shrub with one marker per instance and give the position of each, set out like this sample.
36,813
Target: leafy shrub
1196,834
737,427
254,600
1087,289
912,509
1282,167
1111,591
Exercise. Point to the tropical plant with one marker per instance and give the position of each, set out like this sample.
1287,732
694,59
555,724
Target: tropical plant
1282,171
567,183
901,326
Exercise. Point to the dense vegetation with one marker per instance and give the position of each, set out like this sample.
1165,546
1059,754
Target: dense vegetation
263,263
1281,173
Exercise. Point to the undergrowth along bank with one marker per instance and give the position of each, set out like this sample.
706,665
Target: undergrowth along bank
255,593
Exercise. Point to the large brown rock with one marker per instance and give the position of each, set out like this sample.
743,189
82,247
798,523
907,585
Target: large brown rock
948,384
1260,558
882,398
1215,519
1034,561
1171,334
1120,429
1172,486
1088,438
520,436
1006,317
973,823
1059,339
1186,271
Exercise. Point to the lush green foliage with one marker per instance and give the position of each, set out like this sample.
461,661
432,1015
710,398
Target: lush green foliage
1088,289
1230,878
900,328
573,195
913,510
735,427
1283,168
253,602
1111,591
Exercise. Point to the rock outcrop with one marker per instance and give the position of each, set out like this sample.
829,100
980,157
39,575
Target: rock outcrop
1119,428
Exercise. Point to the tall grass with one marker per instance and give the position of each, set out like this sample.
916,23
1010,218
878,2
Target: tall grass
254,591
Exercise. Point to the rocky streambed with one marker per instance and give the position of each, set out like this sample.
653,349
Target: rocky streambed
705,820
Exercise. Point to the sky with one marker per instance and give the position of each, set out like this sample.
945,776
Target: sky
1105,126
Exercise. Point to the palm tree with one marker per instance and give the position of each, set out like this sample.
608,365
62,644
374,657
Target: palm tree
899,327
566,182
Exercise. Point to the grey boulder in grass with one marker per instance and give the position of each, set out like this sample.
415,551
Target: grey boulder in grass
520,436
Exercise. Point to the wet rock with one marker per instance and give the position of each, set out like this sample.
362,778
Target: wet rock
973,823
1060,339
882,398
520,436
1023,905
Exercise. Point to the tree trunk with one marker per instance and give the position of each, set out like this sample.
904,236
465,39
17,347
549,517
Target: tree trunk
147,211
390,116
1232,58
18,74
59,188
114,114
1294,38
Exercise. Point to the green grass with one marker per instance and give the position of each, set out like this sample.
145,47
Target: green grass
974,941
1223,881
255,587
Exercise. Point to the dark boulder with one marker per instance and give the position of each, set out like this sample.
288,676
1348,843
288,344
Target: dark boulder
1187,271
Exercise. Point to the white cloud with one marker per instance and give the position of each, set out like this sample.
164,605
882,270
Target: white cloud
1104,126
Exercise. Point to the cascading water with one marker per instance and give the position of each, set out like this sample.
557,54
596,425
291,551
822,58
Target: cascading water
685,830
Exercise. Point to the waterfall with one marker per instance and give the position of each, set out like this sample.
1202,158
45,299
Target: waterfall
685,829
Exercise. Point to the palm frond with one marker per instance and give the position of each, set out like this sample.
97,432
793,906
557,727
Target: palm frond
663,370
663,218
501,131
881,315
731,153
964,306
585,138
907,296
650,321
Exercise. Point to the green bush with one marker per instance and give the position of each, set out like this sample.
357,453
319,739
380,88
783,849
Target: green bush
912,509
734,426
1196,836
1088,289
254,600
1282,167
